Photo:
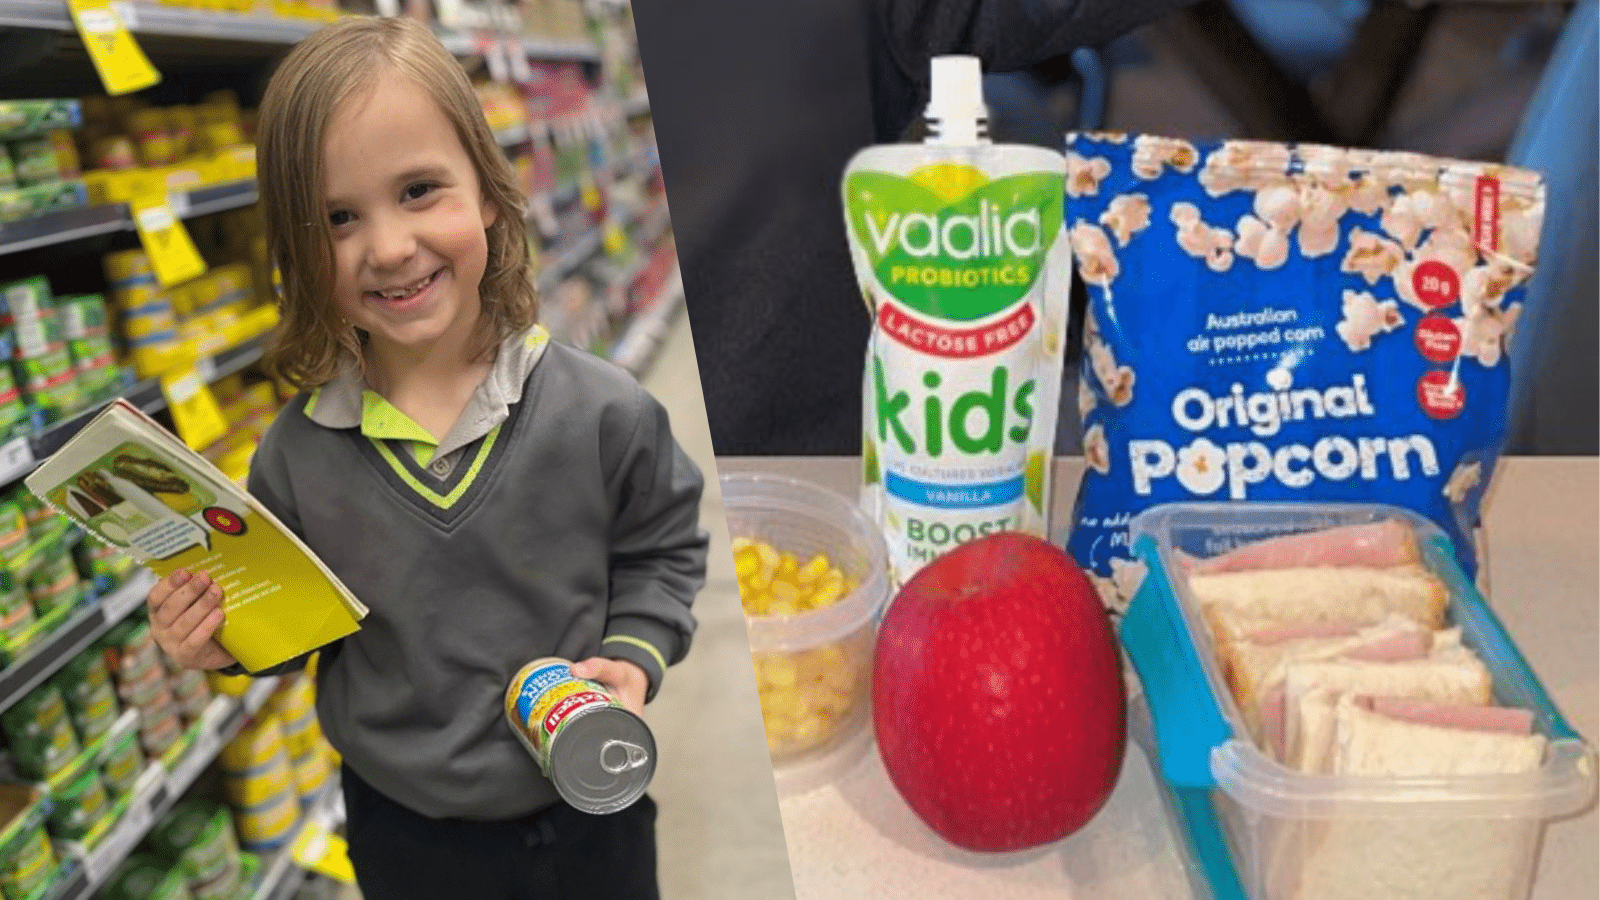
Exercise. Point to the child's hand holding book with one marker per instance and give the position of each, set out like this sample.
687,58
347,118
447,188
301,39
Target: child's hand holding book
185,612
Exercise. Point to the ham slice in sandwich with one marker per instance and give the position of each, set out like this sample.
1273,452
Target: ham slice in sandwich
1254,665
1374,545
1402,737
1449,673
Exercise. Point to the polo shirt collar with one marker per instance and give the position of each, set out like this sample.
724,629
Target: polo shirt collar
340,403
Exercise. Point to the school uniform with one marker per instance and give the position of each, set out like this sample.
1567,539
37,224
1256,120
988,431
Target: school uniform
557,518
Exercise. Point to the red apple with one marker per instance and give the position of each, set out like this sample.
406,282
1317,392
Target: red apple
998,696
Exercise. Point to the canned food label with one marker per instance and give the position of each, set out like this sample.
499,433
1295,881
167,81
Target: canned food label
544,698
538,681
570,705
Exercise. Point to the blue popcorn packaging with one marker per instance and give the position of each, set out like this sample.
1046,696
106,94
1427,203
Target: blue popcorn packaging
1280,322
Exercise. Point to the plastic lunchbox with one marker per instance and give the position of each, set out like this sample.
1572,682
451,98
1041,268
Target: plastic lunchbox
1259,830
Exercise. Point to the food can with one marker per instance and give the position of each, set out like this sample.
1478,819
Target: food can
26,298
29,861
129,268
121,764
597,753
201,835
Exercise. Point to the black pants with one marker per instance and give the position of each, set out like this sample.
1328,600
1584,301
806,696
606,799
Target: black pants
556,854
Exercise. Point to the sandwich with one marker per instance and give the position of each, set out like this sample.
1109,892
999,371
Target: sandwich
1254,665
1237,603
1335,648
1314,689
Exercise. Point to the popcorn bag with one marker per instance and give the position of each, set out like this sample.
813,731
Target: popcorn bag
1290,322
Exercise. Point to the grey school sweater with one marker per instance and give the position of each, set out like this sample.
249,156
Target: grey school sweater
570,529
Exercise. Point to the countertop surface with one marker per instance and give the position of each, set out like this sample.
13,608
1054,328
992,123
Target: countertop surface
855,837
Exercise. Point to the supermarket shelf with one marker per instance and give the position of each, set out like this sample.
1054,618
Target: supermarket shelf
63,226
564,194
159,790
636,106
463,44
514,136
147,394
563,261
85,626
638,345
568,258
75,224
641,165
21,455
218,198
282,877
175,21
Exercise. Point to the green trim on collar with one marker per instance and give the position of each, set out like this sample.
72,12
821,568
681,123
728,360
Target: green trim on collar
643,645
311,404
442,501
383,421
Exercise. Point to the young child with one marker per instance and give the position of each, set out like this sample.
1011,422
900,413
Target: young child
492,496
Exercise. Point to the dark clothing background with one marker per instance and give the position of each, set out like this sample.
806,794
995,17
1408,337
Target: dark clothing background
557,853
757,109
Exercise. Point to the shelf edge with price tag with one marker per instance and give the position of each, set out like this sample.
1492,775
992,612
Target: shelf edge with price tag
318,849
120,603
149,793
117,57
589,192
207,742
195,412
171,250
16,457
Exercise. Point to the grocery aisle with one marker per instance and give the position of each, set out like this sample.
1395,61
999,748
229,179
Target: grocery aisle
720,833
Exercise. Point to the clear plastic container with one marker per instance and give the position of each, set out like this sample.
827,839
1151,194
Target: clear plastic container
813,669
1262,830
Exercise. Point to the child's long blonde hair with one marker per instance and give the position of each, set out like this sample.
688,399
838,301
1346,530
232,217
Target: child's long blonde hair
319,74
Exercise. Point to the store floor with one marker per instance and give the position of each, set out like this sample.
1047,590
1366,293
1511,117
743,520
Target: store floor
719,834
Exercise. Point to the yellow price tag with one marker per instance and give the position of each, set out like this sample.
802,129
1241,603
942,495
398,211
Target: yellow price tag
323,852
195,412
172,252
589,193
122,65
614,239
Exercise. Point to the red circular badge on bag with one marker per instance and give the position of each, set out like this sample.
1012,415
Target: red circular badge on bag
1438,339
1441,395
1435,283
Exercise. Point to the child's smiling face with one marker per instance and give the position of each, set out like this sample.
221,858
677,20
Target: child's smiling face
408,218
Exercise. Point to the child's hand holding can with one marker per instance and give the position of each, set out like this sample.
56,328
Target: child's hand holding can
624,679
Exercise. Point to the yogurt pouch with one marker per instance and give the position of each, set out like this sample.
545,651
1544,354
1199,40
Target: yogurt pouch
964,266
1284,322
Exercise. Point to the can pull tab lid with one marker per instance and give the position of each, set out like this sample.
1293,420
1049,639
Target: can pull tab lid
617,757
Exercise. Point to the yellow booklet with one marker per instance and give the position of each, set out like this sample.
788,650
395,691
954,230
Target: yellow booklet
138,487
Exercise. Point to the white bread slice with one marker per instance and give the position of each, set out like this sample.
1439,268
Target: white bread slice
1253,668
1237,603
1416,858
1451,673
1369,743
1409,858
